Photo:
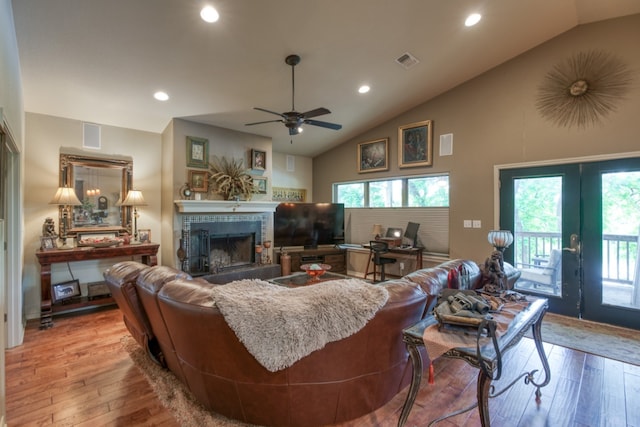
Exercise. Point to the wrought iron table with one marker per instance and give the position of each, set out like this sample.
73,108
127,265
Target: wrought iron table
530,316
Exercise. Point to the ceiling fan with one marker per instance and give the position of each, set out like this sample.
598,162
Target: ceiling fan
292,119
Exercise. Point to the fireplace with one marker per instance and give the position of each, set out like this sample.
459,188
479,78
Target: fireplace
214,246
236,227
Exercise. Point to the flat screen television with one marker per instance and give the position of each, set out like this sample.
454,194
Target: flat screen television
308,224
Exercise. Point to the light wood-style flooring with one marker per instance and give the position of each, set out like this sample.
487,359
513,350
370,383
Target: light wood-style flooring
77,373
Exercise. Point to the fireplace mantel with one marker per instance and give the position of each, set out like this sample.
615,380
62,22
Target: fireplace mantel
224,206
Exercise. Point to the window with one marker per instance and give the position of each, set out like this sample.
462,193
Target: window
422,191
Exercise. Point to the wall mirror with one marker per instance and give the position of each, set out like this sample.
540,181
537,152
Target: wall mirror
101,183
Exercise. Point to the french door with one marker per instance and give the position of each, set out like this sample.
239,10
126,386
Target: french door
576,236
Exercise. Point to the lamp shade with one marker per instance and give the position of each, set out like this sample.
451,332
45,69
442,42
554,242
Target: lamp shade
134,198
65,196
377,230
500,239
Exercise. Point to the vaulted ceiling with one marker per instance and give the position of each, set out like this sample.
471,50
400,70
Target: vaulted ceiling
101,61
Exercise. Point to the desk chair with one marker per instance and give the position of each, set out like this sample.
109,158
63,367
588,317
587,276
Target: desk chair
377,249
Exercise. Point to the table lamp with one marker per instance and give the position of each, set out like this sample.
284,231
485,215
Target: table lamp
500,239
134,198
64,198
377,231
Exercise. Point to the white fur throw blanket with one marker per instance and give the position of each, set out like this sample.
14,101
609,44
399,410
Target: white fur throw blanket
280,325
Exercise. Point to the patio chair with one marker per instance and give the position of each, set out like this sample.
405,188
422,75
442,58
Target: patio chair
545,273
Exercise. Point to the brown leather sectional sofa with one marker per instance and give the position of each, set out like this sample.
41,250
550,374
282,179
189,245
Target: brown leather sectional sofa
172,316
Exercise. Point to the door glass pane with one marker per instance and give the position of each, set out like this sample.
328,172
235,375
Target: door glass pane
620,227
538,234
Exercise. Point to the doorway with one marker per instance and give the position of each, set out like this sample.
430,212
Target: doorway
575,232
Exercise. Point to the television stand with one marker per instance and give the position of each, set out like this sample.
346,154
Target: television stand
335,257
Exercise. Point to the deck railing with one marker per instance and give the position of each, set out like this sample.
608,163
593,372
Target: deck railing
619,253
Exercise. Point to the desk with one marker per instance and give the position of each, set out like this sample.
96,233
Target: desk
531,316
417,252
147,251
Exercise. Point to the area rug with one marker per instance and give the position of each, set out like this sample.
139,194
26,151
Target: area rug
173,394
604,340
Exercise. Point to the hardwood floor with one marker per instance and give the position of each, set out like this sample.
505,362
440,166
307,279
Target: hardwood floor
78,374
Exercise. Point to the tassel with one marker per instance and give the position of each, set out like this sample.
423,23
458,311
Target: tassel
431,374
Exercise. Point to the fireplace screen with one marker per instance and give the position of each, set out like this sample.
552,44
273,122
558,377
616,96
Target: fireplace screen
216,247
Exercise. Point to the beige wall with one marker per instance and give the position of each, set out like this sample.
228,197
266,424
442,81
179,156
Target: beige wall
44,136
494,121
222,143
300,177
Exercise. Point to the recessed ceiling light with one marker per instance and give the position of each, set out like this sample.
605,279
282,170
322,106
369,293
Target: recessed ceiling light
161,96
364,89
209,14
472,19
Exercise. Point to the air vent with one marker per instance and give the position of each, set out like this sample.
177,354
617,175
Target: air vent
407,60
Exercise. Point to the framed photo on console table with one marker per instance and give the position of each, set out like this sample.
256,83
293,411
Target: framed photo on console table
144,235
415,144
61,292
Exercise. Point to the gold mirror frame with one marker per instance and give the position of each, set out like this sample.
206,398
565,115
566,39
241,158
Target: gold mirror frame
70,160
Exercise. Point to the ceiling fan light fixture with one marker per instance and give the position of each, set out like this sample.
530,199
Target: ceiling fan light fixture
209,14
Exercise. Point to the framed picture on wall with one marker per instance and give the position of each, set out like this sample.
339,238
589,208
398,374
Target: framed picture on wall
258,159
415,144
261,184
373,156
198,181
197,152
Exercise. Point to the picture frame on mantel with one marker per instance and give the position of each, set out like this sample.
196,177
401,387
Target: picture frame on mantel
197,152
373,156
415,144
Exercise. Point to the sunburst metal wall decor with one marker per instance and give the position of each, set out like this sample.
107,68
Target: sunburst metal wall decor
583,89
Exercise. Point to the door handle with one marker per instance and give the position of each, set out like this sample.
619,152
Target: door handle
574,245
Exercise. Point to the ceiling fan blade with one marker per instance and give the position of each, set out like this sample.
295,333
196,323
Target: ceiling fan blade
315,113
268,111
267,121
328,125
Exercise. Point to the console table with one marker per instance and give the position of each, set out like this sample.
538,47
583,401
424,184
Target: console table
147,251
531,316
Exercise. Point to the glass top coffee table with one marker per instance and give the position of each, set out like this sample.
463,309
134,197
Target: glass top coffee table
303,279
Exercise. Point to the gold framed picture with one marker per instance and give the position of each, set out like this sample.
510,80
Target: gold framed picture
197,152
373,156
415,144
199,181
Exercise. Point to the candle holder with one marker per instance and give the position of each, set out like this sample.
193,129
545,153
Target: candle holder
259,254
267,257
